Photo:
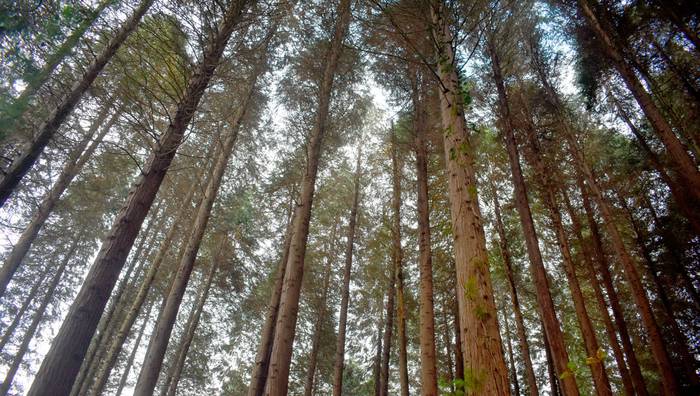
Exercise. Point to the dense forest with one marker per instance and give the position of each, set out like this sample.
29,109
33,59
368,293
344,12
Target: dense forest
349,197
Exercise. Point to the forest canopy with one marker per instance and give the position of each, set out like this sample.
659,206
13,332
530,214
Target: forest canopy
349,197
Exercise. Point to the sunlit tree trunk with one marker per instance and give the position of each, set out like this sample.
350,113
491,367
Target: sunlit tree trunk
45,132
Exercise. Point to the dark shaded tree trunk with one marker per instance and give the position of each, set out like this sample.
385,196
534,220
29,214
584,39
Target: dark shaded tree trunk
551,370
132,355
44,133
511,359
339,363
388,332
62,363
376,370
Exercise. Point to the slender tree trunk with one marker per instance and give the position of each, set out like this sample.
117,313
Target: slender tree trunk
166,320
388,333
74,164
427,310
481,340
318,327
62,363
515,301
551,370
600,299
513,370
459,356
448,350
281,356
172,377
378,356
397,258
543,295
593,360
685,168
36,80
603,268
22,164
132,355
339,364
36,320
9,332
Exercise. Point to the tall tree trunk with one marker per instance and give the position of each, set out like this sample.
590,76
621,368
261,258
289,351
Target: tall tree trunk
600,299
603,268
685,168
459,355
166,320
22,164
481,341
36,320
347,272
427,309
132,355
174,372
593,360
79,156
513,370
397,258
551,370
10,330
447,339
318,327
388,333
281,356
545,303
515,301
14,112
378,355
61,364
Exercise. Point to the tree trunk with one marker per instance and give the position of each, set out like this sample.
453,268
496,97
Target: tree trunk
175,370
513,370
345,293
544,298
79,156
318,327
448,349
22,164
63,360
397,259
36,320
9,332
166,320
459,356
600,299
485,367
132,355
19,106
553,379
603,268
378,356
515,301
388,333
427,309
593,360
281,356
685,168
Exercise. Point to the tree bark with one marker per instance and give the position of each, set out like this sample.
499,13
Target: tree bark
545,303
551,370
347,272
132,355
378,356
685,168
513,370
172,377
459,356
388,333
61,365
515,301
166,320
22,164
79,156
485,368
36,320
281,356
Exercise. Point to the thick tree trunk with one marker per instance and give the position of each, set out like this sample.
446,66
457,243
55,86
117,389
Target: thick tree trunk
515,301
397,259
74,164
685,167
603,268
174,372
37,79
593,360
481,341
345,292
132,355
36,320
166,320
545,303
600,299
427,309
318,327
281,356
22,164
61,365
